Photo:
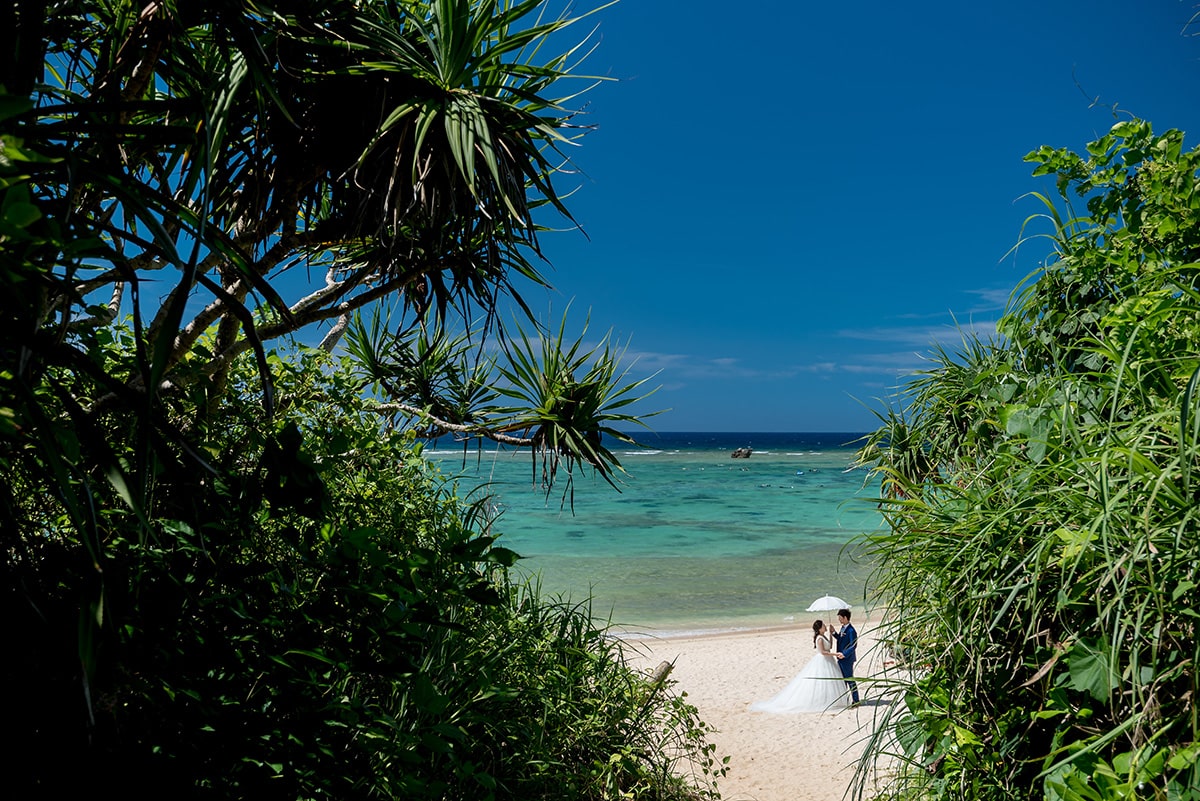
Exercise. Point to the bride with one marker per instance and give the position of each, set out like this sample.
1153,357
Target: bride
819,687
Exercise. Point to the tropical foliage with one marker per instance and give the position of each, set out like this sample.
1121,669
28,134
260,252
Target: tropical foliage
1042,495
225,568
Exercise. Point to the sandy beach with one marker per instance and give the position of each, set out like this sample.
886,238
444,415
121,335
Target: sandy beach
801,757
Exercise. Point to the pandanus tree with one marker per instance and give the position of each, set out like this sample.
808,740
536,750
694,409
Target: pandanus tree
211,158
1041,564
195,165
271,597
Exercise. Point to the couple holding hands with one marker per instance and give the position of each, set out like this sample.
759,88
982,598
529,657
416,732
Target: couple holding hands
827,681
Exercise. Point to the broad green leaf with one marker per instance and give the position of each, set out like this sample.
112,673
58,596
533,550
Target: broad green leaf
1075,542
21,215
1090,670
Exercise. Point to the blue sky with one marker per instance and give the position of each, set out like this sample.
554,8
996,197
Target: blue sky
787,202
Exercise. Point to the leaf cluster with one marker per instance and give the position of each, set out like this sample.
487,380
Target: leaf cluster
1043,536
317,616
224,573
558,397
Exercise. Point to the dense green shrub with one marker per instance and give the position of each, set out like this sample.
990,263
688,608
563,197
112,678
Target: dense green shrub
223,572
1043,508
358,638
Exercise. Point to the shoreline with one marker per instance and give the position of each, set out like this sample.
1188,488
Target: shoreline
797,622
704,633
772,756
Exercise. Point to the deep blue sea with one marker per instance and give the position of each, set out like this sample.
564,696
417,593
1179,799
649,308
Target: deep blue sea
694,540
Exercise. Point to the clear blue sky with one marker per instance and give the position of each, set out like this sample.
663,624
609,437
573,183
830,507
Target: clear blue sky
787,202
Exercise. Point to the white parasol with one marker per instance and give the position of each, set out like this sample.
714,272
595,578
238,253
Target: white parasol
827,603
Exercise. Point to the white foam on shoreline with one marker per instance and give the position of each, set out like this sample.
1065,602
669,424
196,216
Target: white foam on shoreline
677,634
869,617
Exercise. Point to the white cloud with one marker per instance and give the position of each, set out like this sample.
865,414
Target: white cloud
994,299
923,338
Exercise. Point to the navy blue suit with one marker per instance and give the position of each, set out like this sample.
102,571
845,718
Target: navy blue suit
847,644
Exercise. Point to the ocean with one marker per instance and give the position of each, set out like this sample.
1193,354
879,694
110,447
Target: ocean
695,540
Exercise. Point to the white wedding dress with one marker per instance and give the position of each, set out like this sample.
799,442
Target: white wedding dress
819,687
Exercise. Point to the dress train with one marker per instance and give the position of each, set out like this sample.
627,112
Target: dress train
818,687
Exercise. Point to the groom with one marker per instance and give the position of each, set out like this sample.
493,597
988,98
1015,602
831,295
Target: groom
847,641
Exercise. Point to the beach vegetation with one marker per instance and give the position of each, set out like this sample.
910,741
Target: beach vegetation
226,568
1042,506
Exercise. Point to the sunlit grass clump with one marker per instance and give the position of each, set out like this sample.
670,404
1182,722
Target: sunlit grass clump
1042,495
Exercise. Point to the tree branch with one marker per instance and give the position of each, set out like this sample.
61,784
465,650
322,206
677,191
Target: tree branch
460,428
329,342
303,317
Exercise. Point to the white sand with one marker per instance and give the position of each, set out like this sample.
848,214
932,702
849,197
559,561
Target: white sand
802,757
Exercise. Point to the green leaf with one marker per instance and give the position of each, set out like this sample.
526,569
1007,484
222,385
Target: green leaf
1185,757
1075,541
503,556
1016,420
21,215
1090,670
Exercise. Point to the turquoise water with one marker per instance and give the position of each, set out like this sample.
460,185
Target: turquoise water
695,539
